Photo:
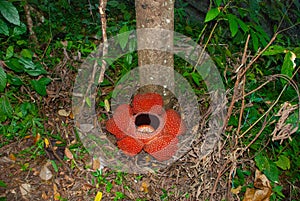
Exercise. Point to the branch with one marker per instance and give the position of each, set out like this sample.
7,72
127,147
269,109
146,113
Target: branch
102,8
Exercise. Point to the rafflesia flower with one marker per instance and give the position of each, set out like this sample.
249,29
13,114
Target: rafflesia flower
146,126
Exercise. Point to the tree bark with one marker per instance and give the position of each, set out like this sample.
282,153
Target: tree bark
158,14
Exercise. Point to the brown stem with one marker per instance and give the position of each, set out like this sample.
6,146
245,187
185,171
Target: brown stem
30,23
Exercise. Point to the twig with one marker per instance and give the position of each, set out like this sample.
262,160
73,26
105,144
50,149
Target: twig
242,108
30,23
244,58
203,49
102,8
276,101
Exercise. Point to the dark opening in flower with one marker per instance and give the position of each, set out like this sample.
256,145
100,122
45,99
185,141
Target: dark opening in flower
146,126
147,120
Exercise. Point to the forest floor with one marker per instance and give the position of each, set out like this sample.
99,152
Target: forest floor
64,175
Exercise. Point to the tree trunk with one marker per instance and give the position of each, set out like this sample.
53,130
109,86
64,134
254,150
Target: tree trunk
158,14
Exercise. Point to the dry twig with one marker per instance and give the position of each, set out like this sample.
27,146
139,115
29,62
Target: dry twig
102,8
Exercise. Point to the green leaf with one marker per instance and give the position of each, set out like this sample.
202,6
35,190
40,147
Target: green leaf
254,40
3,184
3,79
273,50
88,101
288,65
212,14
129,59
20,30
32,68
9,52
26,53
297,51
243,26
108,186
233,25
267,167
15,65
272,172
278,191
6,109
9,12
218,2
123,36
196,78
14,80
113,3
54,166
283,162
4,28
261,162
40,85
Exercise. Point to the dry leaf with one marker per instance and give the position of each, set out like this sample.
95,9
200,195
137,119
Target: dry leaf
96,164
144,187
46,143
12,157
106,105
25,189
236,190
68,153
57,196
55,192
37,138
27,136
98,196
64,43
45,173
45,196
262,190
64,113
71,115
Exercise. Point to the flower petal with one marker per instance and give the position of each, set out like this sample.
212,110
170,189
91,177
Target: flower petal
147,102
114,129
130,146
163,147
174,124
124,119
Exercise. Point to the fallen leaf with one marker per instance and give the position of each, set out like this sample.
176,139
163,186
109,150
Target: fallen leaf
45,196
37,138
262,190
57,196
64,113
106,105
25,189
71,115
98,196
45,173
236,190
27,136
46,143
68,153
12,157
55,192
96,164
144,187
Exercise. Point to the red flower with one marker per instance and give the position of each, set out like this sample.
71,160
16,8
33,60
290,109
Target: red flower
130,146
163,147
146,126
147,102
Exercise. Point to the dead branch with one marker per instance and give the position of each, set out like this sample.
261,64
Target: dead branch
30,23
102,8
